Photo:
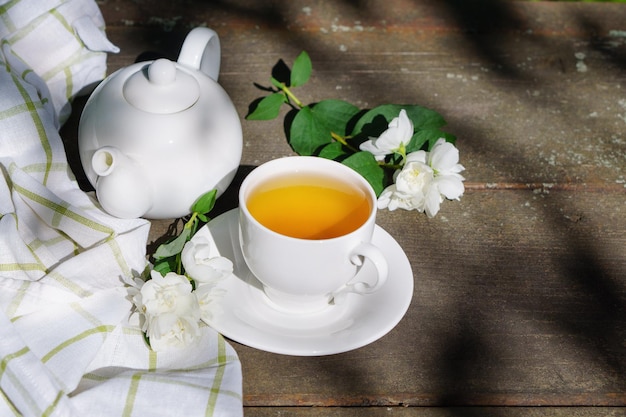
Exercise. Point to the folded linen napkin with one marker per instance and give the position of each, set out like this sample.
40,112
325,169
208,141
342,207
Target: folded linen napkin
68,346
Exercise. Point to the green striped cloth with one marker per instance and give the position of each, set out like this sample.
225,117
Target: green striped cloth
68,344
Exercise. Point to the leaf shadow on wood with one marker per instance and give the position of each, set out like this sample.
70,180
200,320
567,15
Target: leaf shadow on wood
592,314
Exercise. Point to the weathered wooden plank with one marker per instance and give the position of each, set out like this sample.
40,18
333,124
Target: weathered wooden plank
553,18
546,122
435,412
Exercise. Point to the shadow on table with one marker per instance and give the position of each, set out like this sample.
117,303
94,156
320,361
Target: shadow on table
593,314
596,310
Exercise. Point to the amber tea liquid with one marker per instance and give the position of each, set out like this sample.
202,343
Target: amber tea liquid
309,206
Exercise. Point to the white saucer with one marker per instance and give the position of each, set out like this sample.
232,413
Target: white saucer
247,316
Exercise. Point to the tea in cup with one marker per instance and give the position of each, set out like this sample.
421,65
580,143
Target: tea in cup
306,226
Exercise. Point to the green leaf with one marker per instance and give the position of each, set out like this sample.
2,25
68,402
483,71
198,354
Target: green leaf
205,202
336,114
268,108
276,83
306,135
426,138
375,121
312,126
334,151
173,247
163,266
301,71
365,164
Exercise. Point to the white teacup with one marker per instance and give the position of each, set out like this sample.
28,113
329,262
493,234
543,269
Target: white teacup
306,225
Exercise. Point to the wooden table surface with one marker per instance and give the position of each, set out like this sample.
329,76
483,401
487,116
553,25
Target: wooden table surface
520,288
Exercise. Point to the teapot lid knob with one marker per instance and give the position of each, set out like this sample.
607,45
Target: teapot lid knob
161,88
161,72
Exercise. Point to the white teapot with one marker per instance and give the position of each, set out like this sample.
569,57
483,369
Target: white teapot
156,135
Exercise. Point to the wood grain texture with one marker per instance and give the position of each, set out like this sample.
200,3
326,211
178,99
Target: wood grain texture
520,288
436,412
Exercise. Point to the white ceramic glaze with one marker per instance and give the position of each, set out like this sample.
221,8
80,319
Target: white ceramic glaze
156,135
312,272
244,314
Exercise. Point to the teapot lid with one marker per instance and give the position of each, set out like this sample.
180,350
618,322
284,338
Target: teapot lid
161,88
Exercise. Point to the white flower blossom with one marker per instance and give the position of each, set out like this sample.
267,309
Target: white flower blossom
207,295
425,179
201,266
394,139
170,310
410,188
171,330
164,294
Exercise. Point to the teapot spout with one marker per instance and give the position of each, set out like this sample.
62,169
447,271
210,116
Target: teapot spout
105,159
121,187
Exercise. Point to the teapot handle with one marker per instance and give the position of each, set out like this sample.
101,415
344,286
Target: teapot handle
201,51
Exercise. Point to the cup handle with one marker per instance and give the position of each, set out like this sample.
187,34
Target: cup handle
371,252
201,51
